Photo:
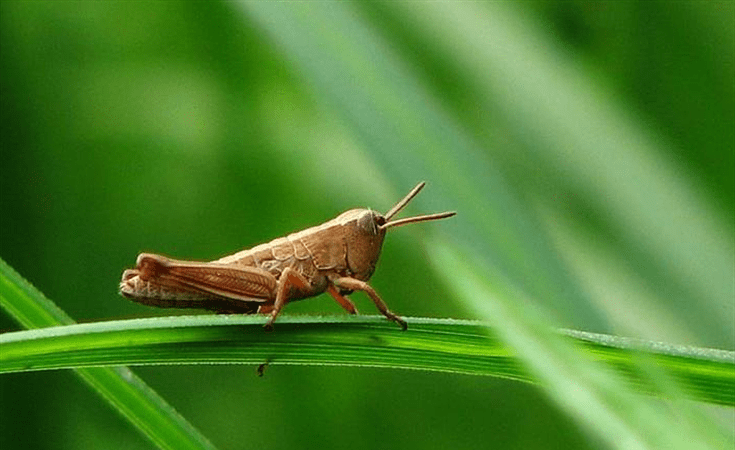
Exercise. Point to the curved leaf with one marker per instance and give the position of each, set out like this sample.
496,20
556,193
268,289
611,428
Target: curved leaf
130,395
446,345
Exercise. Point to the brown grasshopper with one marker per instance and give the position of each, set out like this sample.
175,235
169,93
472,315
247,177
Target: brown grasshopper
338,256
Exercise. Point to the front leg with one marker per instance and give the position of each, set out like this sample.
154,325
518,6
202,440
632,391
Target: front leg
354,284
289,278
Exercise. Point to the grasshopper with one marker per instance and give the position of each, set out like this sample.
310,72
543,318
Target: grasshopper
338,257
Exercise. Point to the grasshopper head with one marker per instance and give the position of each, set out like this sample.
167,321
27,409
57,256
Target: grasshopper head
367,231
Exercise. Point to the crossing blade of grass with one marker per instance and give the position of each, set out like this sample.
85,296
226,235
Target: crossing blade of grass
410,138
446,345
591,392
498,258
127,393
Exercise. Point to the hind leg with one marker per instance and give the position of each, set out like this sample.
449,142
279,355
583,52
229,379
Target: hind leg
288,279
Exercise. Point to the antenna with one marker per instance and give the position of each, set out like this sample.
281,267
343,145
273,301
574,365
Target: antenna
401,204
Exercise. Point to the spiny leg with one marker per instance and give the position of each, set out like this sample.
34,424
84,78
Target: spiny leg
357,285
343,301
289,277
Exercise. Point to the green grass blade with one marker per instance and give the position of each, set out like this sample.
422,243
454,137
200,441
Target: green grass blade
446,345
127,393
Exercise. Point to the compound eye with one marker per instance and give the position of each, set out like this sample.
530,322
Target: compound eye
368,222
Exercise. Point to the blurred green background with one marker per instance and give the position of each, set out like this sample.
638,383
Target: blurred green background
588,147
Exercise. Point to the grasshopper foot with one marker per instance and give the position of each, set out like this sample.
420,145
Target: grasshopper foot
262,367
401,323
268,327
